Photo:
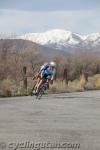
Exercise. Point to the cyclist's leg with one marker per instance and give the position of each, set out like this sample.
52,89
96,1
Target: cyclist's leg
39,84
38,80
48,81
35,85
43,79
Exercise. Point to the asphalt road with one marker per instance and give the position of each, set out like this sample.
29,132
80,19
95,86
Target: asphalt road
69,121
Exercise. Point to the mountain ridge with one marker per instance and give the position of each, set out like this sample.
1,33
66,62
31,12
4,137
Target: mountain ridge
63,39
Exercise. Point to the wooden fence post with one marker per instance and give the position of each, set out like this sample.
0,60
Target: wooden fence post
65,75
25,78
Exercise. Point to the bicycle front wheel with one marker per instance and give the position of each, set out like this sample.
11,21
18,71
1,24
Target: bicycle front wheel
41,91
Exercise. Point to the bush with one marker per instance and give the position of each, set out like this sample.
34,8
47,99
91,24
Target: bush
82,81
75,86
58,87
5,88
93,83
89,86
97,82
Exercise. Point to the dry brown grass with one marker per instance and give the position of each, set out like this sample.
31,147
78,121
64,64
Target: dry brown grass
97,81
77,85
9,89
59,86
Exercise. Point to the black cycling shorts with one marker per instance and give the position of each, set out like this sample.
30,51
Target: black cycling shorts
45,76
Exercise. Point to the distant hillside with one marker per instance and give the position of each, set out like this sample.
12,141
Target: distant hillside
25,45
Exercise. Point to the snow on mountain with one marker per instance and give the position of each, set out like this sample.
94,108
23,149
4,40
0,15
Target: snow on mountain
63,40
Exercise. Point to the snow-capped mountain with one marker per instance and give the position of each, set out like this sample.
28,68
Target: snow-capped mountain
63,40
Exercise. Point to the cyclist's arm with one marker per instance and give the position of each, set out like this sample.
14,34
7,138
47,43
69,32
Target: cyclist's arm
52,77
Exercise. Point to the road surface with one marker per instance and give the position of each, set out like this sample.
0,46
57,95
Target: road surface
65,120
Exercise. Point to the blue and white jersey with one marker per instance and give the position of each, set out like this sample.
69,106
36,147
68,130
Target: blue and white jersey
49,72
46,70
44,67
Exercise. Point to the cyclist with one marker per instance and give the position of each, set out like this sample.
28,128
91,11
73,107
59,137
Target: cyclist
47,71
39,71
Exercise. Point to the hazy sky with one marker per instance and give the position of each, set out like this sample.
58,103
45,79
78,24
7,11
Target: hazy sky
22,16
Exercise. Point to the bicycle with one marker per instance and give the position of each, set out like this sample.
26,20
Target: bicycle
43,87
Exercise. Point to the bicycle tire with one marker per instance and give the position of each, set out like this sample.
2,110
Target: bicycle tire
41,91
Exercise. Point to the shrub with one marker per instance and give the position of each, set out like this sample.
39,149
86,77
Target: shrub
93,83
89,86
5,88
97,82
82,81
75,86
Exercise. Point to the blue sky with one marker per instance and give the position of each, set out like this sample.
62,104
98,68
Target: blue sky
22,16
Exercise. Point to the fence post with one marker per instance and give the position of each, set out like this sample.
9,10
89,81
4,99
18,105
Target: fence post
25,78
65,75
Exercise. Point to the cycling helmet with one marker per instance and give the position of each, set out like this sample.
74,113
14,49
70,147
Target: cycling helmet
52,64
